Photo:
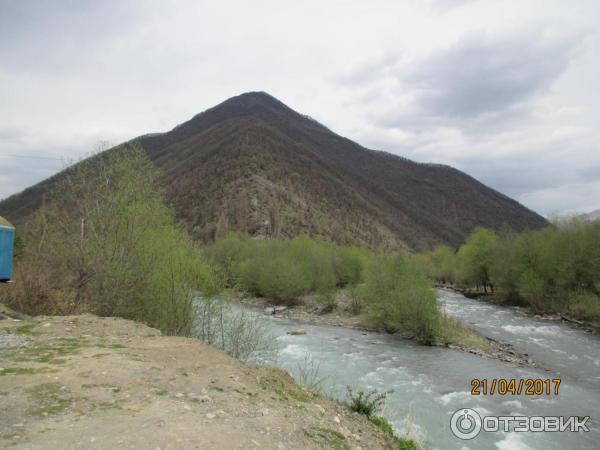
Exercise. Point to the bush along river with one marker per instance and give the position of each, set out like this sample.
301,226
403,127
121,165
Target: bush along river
431,383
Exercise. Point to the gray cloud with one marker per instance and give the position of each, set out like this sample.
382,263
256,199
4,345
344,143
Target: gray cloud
479,83
479,75
53,34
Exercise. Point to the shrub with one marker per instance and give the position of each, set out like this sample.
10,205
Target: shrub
309,373
367,403
440,264
105,242
240,333
585,306
476,257
287,269
399,297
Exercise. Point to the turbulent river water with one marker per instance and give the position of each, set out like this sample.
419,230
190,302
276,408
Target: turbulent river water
430,383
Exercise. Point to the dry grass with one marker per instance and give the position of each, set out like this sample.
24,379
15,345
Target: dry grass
455,333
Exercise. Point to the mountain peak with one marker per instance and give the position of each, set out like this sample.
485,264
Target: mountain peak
252,164
249,102
255,104
254,96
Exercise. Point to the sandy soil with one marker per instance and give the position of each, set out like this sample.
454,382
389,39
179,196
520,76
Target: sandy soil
104,383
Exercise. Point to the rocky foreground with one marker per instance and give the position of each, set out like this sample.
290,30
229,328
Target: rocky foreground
91,382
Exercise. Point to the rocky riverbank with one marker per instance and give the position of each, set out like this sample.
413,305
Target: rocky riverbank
81,382
340,314
563,317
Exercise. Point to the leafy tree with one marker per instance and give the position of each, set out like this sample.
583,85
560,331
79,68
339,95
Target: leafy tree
476,256
440,264
399,296
105,242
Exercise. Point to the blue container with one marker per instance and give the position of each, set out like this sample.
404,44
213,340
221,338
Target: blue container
7,242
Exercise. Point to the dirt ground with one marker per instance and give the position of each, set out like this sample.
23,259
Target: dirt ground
104,383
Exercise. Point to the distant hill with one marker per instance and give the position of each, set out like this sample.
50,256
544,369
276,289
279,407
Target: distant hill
592,216
253,164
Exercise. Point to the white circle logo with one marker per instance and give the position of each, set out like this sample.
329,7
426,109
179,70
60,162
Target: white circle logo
465,423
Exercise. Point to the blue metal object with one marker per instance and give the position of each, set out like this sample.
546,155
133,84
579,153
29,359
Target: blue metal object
7,242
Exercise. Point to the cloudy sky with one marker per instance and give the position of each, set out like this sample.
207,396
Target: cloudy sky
507,91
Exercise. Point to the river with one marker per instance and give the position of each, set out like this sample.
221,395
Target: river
430,383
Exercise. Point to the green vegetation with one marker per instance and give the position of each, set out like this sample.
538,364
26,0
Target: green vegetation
400,298
555,269
24,371
393,291
105,242
401,443
281,383
452,331
327,438
367,403
476,256
25,329
50,399
287,269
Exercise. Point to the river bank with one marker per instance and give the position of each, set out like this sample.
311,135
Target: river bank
550,315
91,382
339,313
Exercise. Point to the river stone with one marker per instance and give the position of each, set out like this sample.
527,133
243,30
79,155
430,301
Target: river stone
280,309
8,340
269,311
296,331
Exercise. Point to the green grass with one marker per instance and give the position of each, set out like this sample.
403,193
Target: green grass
328,438
107,386
284,391
104,406
26,329
104,344
50,399
44,353
452,332
25,371
401,443
53,351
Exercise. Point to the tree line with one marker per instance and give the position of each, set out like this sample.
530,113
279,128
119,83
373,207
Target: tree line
106,242
391,290
551,270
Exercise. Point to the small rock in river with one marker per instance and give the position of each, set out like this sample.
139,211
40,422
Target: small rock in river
296,331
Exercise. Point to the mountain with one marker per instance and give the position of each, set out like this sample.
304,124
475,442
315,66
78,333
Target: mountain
253,164
592,216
